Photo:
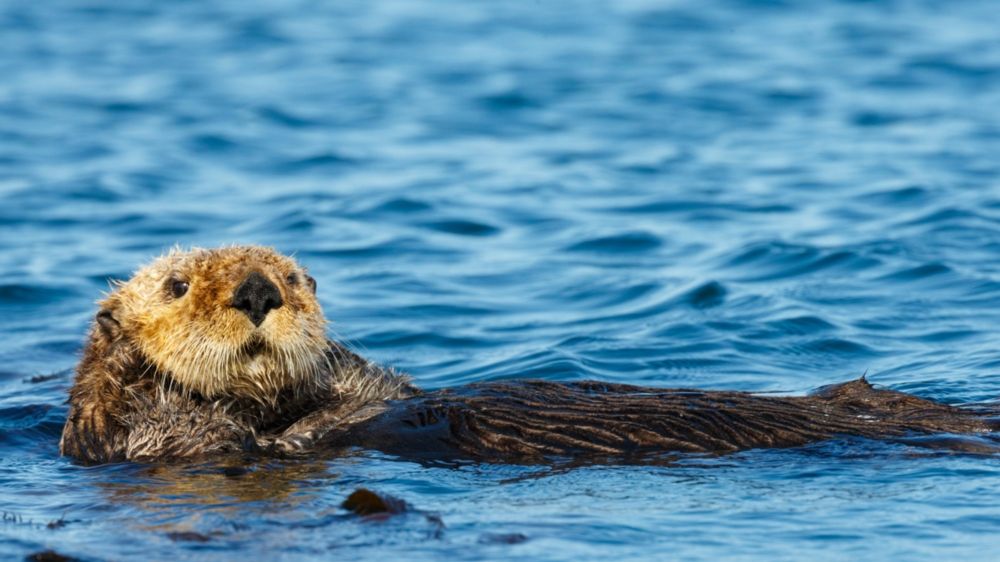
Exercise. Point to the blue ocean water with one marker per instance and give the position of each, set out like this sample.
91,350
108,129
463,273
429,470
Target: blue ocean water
754,195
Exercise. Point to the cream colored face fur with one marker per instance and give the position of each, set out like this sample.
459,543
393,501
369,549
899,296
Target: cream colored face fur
201,342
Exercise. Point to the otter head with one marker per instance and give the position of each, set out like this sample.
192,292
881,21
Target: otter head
239,321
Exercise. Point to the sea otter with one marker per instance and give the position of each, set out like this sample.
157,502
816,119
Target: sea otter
224,350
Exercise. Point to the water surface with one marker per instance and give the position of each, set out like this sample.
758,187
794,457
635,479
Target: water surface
750,195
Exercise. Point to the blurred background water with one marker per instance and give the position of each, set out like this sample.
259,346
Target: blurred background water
735,194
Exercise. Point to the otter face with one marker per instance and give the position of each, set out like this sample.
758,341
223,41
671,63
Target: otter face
239,321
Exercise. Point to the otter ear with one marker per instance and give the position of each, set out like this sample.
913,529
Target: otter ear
108,324
311,282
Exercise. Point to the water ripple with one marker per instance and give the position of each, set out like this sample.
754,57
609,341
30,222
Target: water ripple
627,242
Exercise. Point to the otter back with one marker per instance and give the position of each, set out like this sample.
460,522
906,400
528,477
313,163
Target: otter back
533,421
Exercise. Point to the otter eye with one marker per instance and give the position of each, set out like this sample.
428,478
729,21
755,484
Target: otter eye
178,288
292,279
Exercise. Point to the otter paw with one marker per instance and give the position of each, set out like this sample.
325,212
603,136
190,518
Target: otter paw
292,444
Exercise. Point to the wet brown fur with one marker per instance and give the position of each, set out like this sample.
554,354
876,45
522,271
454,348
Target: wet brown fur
165,377
538,421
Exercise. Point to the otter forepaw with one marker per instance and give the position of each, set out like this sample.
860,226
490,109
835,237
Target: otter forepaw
290,444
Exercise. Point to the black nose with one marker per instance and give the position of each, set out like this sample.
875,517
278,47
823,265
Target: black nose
255,297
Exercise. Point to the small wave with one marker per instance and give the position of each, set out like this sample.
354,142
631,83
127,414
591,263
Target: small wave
23,294
507,101
801,325
690,206
947,335
403,205
398,340
632,242
388,248
285,118
212,143
876,118
707,295
947,216
463,227
770,261
838,346
919,273
909,195
22,416
602,295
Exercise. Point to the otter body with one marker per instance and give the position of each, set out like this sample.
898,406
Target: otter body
219,351
541,421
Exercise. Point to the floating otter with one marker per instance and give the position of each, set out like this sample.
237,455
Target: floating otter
224,350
